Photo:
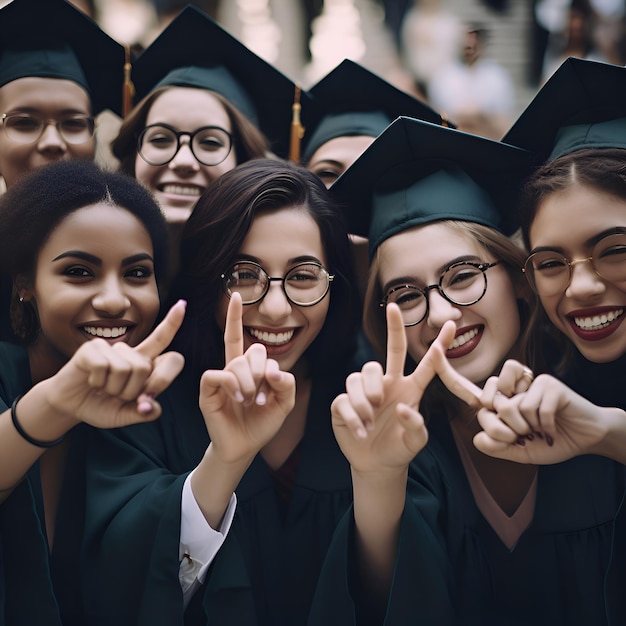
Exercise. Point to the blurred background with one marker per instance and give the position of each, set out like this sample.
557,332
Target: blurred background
474,60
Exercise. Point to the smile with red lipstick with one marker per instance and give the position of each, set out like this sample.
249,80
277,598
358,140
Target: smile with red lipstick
465,340
595,324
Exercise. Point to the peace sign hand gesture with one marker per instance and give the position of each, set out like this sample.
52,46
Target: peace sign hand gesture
245,404
113,385
376,422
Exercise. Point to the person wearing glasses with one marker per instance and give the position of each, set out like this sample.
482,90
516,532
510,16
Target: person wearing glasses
453,533
269,333
205,103
58,70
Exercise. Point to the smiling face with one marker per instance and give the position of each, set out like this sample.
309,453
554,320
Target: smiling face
486,331
94,277
177,185
590,311
334,157
278,241
47,99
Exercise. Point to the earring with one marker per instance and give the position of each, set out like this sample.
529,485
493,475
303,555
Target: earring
21,298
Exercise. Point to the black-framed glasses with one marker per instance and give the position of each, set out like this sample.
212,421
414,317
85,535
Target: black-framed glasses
462,283
25,128
159,143
304,284
549,272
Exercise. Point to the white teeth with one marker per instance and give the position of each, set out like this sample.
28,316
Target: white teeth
273,339
181,190
98,331
598,322
463,339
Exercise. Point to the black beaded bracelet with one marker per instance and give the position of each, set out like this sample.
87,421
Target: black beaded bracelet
26,437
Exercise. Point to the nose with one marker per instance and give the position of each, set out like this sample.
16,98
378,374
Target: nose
275,305
184,159
111,300
440,310
51,139
585,282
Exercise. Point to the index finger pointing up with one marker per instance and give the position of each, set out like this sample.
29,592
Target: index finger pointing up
233,329
396,341
161,337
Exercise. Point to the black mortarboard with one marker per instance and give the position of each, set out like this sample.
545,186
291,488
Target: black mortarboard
416,173
351,100
53,39
194,51
582,105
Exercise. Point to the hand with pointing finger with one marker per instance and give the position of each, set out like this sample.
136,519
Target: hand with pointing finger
377,422
245,404
109,386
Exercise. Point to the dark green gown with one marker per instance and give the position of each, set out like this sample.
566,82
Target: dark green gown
266,571
26,592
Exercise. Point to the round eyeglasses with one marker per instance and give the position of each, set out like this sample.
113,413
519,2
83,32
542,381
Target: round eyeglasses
549,272
462,283
159,144
24,128
304,284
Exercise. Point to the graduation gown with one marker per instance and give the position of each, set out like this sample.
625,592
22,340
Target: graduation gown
26,592
267,569
562,570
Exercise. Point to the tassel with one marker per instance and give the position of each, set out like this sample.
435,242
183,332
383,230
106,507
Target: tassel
128,93
297,130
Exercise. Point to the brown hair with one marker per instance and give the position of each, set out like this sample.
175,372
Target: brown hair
249,142
214,234
503,249
603,169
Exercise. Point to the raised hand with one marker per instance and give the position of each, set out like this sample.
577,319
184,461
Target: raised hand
376,422
109,386
245,404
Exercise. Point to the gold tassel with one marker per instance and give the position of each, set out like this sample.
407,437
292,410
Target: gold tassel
128,93
297,130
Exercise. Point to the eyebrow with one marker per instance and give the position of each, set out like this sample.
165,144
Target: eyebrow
292,261
589,243
410,280
94,260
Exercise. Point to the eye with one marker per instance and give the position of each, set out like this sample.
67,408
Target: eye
406,297
75,125
549,264
304,276
242,274
328,175
23,123
159,138
78,271
211,141
140,272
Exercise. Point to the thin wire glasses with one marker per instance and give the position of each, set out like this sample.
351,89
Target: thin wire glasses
159,144
549,272
304,284
25,128
463,283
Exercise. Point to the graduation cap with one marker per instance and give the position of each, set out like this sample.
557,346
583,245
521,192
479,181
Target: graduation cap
350,100
194,51
582,105
416,173
53,39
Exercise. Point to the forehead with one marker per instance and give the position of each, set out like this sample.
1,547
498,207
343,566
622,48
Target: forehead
343,150
572,216
422,251
101,229
36,92
279,236
188,108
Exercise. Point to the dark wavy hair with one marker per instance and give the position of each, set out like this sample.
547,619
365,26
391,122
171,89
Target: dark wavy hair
32,209
248,141
214,234
603,169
